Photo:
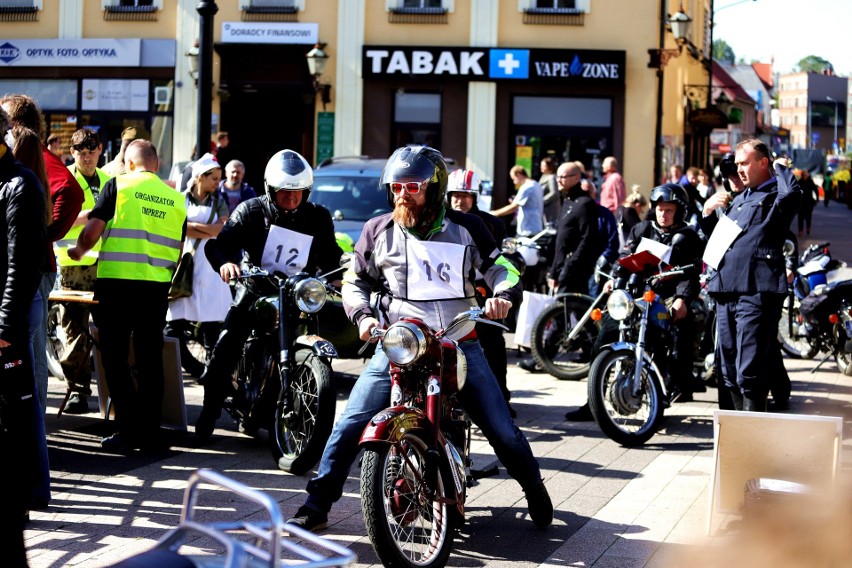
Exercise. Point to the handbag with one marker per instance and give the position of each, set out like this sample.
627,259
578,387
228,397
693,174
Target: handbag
532,305
181,286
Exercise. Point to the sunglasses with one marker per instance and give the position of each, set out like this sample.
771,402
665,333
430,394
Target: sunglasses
412,187
86,145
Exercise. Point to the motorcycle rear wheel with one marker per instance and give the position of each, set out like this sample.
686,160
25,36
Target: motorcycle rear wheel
624,418
298,440
407,525
563,359
793,344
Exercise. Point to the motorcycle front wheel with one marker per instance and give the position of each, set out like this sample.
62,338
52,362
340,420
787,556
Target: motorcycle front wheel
564,359
842,357
299,437
792,343
624,416
408,524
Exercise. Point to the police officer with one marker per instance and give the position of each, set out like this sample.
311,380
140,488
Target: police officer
143,224
463,188
79,274
750,283
257,226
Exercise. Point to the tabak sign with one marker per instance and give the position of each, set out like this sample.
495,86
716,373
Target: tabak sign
492,64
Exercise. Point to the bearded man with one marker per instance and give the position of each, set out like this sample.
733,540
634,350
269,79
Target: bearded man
421,259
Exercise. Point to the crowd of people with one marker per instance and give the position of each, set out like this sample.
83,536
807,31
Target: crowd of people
120,232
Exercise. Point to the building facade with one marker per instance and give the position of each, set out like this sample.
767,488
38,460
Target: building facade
812,106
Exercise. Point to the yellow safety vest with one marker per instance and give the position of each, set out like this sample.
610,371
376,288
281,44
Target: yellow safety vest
60,247
143,239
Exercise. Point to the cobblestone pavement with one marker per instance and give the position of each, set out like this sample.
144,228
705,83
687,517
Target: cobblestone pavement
614,506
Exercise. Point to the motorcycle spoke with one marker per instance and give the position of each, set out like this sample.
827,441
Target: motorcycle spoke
630,413
305,402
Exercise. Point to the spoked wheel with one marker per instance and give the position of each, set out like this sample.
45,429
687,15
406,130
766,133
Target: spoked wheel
300,435
627,417
564,359
408,524
842,357
56,342
254,385
792,342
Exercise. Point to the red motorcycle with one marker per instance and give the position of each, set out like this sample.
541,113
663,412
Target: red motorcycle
416,466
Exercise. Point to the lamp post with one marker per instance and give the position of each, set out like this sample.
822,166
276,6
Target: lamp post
317,60
834,141
206,10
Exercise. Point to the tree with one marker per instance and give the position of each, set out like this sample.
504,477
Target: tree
723,52
813,64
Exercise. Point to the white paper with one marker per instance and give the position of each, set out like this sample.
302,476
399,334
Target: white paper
658,249
725,233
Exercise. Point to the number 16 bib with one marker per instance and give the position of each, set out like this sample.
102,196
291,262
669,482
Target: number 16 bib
286,251
435,270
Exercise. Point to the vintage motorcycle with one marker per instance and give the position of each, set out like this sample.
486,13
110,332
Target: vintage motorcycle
239,543
628,392
827,323
416,466
283,381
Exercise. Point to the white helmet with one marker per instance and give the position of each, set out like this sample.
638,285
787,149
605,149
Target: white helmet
288,171
464,181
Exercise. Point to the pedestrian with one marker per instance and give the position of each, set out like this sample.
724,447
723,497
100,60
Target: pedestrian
809,197
206,214
143,224
613,191
386,259
54,144
552,197
23,240
630,213
116,166
750,282
79,275
224,151
233,189
528,203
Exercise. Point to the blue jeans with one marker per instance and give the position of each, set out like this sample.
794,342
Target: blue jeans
481,398
41,488
39,342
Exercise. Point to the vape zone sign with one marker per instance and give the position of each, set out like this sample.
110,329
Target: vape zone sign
491,64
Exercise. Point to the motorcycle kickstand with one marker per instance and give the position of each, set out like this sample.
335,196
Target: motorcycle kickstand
824,359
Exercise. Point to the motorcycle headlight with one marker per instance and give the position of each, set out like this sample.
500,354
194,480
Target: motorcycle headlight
619,305
310,295
404,343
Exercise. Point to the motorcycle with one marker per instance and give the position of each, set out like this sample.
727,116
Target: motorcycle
283,381
272,543
827,323
416,466
628,392
812,270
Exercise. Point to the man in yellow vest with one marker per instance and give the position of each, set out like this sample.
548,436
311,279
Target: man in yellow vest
79,274
143,223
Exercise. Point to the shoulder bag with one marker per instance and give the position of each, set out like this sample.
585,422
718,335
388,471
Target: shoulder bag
182,279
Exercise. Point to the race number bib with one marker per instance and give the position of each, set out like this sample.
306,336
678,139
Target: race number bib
435,270
286,251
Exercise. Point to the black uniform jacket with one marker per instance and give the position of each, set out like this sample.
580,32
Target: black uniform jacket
576,236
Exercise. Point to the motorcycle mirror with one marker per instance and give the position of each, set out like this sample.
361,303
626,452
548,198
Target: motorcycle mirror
346,259
789,248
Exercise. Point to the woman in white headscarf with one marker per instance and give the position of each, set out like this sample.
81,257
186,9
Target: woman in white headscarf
201,315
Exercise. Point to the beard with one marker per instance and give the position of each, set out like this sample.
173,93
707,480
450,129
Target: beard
407,214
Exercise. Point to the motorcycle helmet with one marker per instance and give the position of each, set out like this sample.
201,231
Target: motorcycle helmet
419,164
287,171
671,193
464,181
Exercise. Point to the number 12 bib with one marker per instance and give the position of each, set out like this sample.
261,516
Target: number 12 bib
434,270
286,251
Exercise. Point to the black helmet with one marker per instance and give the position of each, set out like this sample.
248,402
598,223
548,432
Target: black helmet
671,193
417,163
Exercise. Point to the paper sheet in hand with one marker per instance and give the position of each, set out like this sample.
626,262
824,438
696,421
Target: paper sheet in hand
658,249
725,233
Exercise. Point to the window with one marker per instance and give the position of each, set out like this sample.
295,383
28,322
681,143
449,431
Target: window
554,12
417,119
272,6
19,10
138,10
417,6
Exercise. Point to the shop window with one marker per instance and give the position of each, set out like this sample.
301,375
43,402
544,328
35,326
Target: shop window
136,10
418,11
271,10
417,119
554,12
20,10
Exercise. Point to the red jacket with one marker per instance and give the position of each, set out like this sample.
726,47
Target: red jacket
66,198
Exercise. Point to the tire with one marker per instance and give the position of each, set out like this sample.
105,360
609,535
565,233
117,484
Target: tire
625,419
793,344
255,389
570,361
402,520
842,357
55,344
298,441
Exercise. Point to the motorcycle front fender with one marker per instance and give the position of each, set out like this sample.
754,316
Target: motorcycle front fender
389,425
318,345
631,347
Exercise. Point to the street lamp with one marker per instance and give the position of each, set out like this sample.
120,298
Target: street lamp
834,143
192,60
317,60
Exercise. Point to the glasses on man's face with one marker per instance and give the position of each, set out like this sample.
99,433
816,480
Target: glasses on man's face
86,145
566,176
412,187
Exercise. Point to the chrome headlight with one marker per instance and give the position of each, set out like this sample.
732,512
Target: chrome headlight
619,305
404,343
310,295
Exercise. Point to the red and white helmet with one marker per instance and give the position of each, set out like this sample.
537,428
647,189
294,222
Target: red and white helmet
464,181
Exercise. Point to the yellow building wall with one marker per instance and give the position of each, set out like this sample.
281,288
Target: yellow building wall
94,25
47,26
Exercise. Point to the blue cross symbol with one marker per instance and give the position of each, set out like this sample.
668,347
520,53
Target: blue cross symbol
509,63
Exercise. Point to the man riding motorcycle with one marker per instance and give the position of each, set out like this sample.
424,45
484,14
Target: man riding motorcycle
278,231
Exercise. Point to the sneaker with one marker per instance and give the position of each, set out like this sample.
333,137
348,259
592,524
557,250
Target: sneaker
78,403
309,519
539,505
530,365
582,414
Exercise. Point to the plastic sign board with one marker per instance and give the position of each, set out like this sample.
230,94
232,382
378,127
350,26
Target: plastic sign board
270,32
70,52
